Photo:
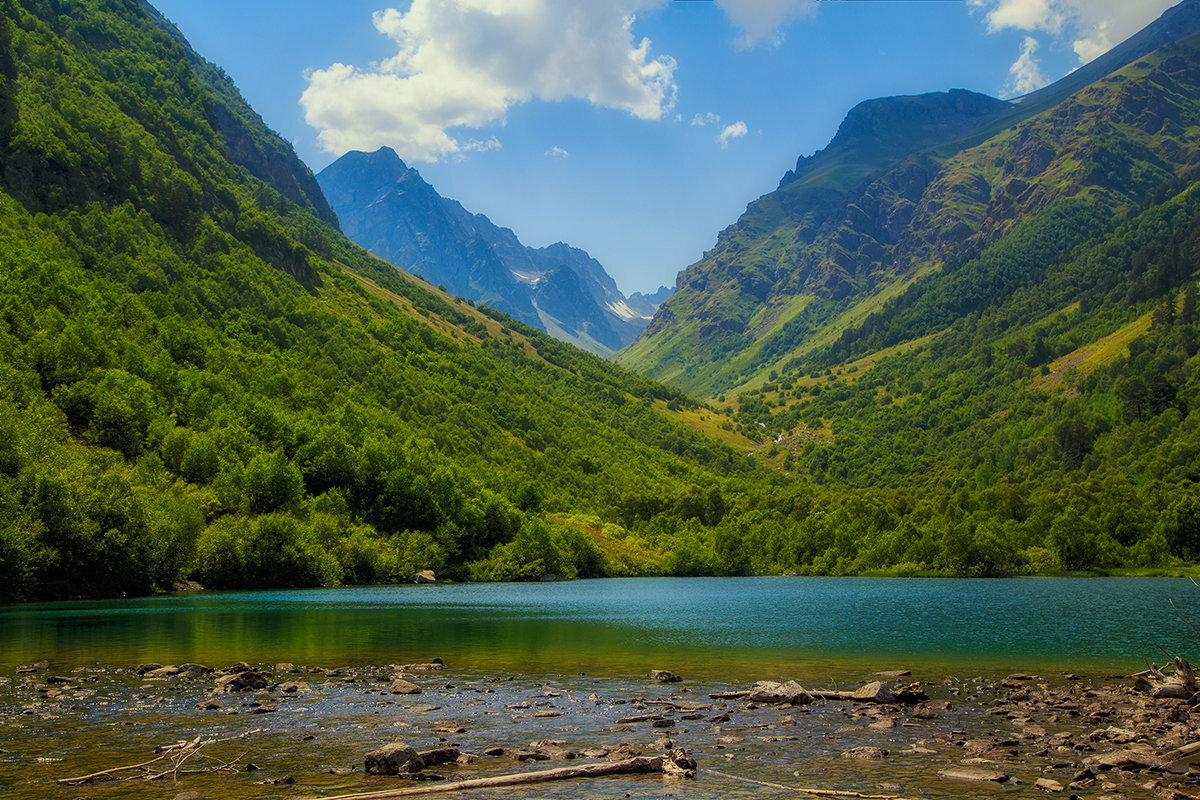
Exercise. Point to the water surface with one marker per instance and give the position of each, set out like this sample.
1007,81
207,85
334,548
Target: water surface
721,628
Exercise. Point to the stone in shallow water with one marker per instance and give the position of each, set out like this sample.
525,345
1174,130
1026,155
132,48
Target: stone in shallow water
866,753
393,759
973,774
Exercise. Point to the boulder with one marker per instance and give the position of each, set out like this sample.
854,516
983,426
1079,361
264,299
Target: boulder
441,755
774,693
664,676
873,692
248,681
401,686
425,576
396,758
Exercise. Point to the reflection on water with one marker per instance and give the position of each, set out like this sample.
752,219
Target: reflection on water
731,629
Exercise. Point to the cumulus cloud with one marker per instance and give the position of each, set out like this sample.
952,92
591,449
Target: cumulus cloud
704,120
1092,26
735,131
764,20
461,64
1026,71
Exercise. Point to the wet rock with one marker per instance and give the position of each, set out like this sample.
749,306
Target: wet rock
441,755
973,774
664,676
140,669
286,780
1131,760
401,686
874,692
494,751
433,666
294,687
773,693
396,758
161,672
895,673
866,753
212,704
663,723
188,796
1048,785
639,718
244,681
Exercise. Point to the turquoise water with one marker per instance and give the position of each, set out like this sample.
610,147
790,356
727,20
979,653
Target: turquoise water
719,629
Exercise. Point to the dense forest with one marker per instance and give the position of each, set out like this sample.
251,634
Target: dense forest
204,380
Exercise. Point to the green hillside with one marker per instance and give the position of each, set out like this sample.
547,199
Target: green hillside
205,380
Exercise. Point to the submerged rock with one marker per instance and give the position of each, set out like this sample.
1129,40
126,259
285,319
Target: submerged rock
664,676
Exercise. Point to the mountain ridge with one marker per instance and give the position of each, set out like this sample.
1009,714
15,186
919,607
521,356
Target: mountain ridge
388,208
860,230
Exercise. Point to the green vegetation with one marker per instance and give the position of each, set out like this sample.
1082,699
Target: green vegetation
204,380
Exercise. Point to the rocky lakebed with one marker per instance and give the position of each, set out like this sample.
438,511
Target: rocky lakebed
191,731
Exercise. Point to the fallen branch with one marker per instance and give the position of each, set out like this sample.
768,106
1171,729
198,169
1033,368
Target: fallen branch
108,774
178,754
808,791
631,766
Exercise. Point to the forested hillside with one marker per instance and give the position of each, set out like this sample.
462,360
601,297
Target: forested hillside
991,342
204,379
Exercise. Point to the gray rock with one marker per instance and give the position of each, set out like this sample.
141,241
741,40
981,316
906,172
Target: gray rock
664,676
401,686
393,759
973,774
774,693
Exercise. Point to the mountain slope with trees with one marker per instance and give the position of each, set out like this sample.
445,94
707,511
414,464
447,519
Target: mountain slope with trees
204,379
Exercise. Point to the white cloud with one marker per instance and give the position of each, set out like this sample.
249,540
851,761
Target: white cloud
464,63
704,120
558,152
735,131
1026,71
761,20
1092,26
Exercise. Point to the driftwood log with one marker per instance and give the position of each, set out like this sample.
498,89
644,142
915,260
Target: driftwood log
673,764
1179,683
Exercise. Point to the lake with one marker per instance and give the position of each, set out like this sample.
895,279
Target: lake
568,662
721,628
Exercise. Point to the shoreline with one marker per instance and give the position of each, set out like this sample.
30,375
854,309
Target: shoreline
912,735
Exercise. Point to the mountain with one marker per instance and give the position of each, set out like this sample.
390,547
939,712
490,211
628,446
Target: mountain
912,187
387,207
205,380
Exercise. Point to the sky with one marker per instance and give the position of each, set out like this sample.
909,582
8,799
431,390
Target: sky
634,129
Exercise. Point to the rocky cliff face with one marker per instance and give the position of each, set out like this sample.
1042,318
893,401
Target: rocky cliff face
388,208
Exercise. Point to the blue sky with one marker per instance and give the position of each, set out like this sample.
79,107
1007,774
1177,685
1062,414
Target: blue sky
635,129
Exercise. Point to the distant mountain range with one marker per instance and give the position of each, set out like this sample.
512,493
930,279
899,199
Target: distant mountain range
388,208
